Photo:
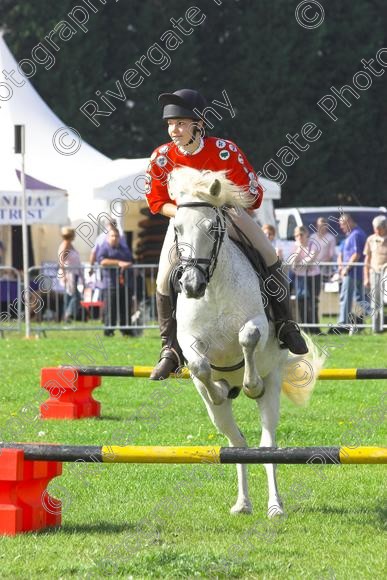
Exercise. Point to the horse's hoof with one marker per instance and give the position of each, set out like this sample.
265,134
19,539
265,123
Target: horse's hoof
256,392
275,511
223,388
242,508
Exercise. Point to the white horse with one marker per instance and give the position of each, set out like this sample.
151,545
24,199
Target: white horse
221,323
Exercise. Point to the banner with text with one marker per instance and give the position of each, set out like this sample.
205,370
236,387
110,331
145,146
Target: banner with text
43,207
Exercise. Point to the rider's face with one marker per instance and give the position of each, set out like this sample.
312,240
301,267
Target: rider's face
180,131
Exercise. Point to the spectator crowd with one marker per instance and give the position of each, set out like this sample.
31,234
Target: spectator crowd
359,261
356,264
112,253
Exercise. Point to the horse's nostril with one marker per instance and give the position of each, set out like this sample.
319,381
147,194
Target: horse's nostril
202,288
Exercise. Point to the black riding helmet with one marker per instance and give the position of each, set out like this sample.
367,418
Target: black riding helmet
182,104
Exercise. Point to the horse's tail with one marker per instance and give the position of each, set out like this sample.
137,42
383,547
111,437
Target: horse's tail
301,373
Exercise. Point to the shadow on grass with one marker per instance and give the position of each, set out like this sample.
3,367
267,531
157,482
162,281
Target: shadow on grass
382,515
99,528
340,511
109,418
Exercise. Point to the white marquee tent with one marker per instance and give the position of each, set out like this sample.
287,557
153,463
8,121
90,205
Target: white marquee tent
79,177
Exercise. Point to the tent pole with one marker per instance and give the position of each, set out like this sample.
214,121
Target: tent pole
20,148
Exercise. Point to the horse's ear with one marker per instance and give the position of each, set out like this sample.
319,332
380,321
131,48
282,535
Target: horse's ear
215,188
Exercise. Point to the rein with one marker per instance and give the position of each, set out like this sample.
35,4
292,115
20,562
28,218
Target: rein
212,261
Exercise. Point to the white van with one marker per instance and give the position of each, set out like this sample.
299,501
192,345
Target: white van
272,191
291,217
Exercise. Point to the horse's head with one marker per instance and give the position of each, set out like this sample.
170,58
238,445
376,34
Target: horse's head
200,222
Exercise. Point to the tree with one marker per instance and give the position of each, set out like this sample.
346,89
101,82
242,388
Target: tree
273,70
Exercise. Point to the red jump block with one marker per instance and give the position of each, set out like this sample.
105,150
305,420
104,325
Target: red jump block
70,394
25,504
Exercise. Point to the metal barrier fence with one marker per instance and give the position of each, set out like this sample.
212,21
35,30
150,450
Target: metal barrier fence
10,300
379,298
105,298
111,300
322,298
98,298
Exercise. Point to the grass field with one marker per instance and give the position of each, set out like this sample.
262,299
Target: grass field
146,521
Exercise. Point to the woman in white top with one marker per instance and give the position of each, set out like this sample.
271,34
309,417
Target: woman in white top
304,261
270,233
69,273
325,243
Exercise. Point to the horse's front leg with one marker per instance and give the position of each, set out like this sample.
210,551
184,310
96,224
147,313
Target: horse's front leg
255,332
223,419
200,367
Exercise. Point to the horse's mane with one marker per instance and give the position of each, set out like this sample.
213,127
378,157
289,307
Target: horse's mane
189,182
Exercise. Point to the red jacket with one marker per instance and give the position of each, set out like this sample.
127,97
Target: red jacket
213,154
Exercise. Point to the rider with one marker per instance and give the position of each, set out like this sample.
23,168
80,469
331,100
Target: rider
191,147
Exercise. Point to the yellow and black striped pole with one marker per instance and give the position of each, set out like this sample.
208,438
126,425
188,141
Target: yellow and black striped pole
119,371
200,454
144,372
352,374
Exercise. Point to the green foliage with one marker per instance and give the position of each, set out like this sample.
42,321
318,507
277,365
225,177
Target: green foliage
274,72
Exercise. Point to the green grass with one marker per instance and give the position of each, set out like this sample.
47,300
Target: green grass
173,521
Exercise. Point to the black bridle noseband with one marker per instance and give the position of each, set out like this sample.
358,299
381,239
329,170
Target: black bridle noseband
219,233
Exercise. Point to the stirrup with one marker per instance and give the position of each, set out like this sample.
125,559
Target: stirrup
171,354
290,330
281,325
169,361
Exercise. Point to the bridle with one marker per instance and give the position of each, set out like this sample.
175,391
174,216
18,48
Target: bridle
205,265
211,262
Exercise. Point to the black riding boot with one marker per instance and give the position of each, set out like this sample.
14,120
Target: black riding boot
171,356
288,331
